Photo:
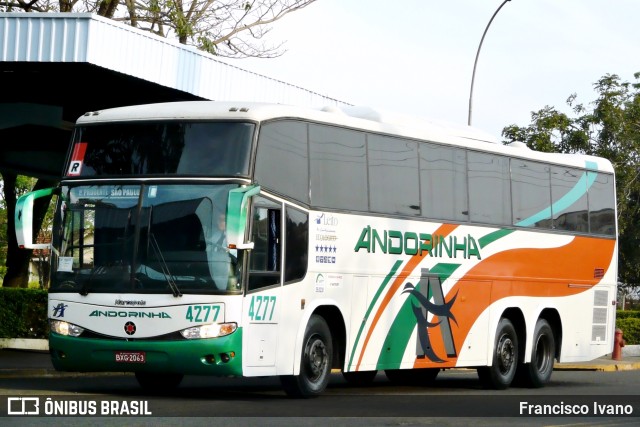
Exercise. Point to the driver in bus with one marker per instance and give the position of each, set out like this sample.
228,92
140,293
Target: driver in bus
219,257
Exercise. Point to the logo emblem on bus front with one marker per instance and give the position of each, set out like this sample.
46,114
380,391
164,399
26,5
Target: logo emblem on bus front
130,328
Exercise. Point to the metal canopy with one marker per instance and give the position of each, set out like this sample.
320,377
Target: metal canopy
54,67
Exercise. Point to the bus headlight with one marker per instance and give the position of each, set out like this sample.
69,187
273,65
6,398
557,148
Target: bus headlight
209,331
65,328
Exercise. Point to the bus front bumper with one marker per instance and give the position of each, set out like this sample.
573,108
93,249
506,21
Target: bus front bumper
217,356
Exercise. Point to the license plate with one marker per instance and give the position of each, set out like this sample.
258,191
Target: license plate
130,357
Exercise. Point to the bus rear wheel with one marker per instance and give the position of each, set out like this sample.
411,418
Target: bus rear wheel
158,382
538,373
505,358
315,363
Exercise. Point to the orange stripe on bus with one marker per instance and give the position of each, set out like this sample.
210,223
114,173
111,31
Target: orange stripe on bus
540,273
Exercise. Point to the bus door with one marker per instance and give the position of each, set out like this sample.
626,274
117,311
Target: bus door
262,304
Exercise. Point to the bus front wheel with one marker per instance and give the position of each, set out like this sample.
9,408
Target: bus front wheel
505,358
315,363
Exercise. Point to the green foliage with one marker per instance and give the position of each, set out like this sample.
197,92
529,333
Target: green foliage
23,313
628,314
630,330
608,127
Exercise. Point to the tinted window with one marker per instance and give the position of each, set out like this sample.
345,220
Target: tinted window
569,195
443,182
338,168
602,204
393,175
297,245
168,148
531,194
264,265
489,193
282,161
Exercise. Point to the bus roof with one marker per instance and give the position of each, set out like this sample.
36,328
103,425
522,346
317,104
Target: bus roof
362,118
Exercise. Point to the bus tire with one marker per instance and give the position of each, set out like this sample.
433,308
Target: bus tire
538,373
156,382
414,377
315,363
505,358
360,378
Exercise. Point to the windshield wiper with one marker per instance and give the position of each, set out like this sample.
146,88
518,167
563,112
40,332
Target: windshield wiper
165,268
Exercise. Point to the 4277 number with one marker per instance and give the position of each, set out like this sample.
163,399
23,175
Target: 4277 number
203,313
261,308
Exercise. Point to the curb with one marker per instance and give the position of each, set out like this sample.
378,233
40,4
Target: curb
621,366
24,344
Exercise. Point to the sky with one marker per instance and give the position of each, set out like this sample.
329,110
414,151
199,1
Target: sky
416,57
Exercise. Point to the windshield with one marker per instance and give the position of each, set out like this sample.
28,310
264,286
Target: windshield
144,239
163,148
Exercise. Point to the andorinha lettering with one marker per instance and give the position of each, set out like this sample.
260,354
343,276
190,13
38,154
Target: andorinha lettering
412,243
138,314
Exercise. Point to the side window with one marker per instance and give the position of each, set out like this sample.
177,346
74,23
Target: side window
443,182
569,196
602,218
489,188
531,194
264,260
338,168
297,245
282,160
393,175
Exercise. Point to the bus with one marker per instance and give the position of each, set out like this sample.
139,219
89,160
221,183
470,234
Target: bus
248,239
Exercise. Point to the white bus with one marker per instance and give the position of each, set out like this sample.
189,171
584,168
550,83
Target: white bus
209,238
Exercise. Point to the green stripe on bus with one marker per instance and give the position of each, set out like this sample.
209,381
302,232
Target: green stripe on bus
395,344
492,237
392,273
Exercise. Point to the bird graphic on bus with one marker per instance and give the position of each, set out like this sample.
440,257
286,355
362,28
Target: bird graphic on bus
430,286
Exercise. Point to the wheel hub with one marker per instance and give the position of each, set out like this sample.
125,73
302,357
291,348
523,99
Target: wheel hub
543,357
505,354
316,358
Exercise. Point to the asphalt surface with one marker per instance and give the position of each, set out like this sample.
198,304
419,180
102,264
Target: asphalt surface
14,363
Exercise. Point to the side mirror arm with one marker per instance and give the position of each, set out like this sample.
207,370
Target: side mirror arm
237,215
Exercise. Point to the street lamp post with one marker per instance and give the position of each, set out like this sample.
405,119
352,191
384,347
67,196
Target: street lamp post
475,64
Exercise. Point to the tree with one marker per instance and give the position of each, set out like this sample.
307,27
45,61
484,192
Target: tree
230,28
608,127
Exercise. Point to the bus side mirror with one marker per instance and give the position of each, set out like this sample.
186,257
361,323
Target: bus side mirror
237,214
24,218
